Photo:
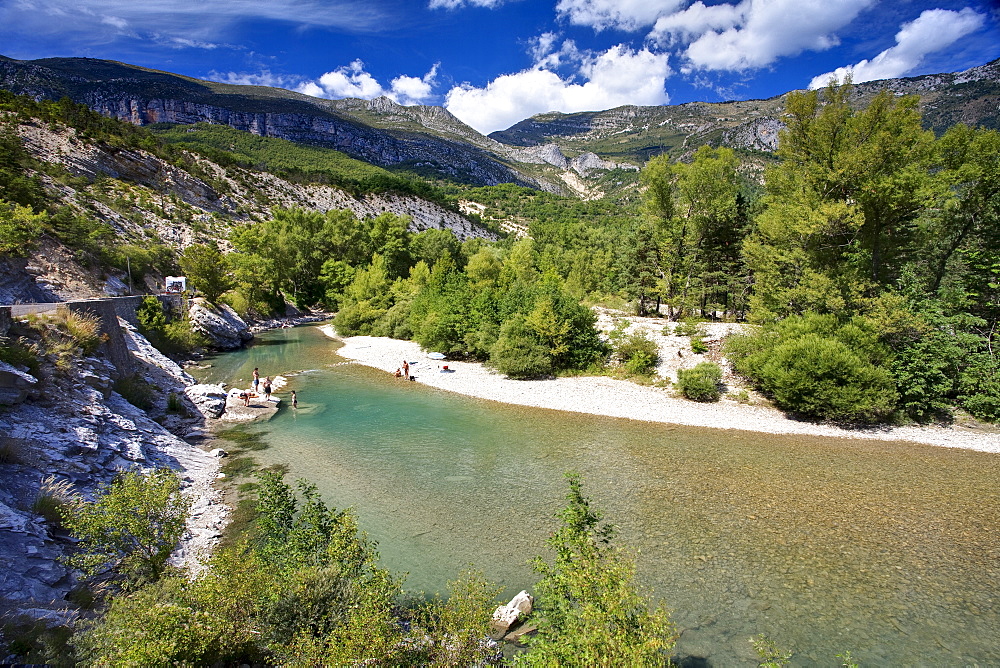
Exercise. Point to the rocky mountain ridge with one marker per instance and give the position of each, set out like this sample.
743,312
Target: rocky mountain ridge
431,141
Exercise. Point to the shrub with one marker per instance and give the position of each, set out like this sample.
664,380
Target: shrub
20,353
698,346
54,498
135,390
131,527
700,383
518,354
84,329
636,351
817,367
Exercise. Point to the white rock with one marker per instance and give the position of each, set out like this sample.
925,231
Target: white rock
506,616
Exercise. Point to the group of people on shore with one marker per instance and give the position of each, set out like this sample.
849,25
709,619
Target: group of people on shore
403,371
264,387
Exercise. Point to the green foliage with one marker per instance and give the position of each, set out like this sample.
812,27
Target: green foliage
131,527
771,656
205,269
817,367
699,217
172,337
20,353
19,228
298,163
590,610
843,204
15,184
700,383
306,590
150,315
54,499
518,353
635,351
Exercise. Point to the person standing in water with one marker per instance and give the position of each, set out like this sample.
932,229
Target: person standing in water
295,400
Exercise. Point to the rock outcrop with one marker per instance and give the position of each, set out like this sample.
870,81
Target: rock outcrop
220,324
210,400
74,430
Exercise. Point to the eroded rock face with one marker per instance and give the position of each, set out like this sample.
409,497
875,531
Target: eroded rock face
220,324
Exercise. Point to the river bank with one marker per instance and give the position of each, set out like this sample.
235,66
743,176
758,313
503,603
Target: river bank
600,395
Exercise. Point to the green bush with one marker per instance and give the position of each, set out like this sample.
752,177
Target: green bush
636,351
518,354
136,391
817,367
700,383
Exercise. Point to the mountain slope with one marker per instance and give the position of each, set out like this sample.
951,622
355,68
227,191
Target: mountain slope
565,153
634,134
377,131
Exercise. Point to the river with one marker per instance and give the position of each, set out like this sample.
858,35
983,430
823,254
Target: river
890,550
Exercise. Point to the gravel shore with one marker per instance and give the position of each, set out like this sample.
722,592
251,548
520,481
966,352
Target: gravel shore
599,395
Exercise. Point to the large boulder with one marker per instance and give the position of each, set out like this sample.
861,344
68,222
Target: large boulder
14,384
210,400
505,616
224,329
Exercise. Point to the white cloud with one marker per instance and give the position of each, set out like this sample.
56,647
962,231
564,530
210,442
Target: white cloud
458,4
621,14
616,77
696,20
933,30
754,33
413,90
353,81
201,23
264,78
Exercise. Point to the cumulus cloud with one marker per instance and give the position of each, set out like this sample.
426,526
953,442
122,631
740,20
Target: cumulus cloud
613,78
353,81
933,30
620,14
753,33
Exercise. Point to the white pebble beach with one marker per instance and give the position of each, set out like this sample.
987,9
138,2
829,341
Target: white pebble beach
601,395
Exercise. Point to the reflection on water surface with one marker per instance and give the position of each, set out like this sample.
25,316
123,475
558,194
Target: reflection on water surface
889,550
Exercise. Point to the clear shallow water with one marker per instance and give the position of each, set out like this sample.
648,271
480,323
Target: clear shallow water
889,550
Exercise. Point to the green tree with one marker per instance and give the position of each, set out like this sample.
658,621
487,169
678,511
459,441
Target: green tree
19,228
590,611
205,267
131,527
843,204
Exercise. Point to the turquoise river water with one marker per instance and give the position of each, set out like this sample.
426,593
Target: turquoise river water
889,550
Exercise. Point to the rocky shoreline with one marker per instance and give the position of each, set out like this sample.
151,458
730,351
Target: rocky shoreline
75,429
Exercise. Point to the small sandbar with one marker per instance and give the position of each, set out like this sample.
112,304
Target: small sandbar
600,395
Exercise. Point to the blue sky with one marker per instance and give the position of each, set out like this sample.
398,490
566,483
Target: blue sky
495,62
